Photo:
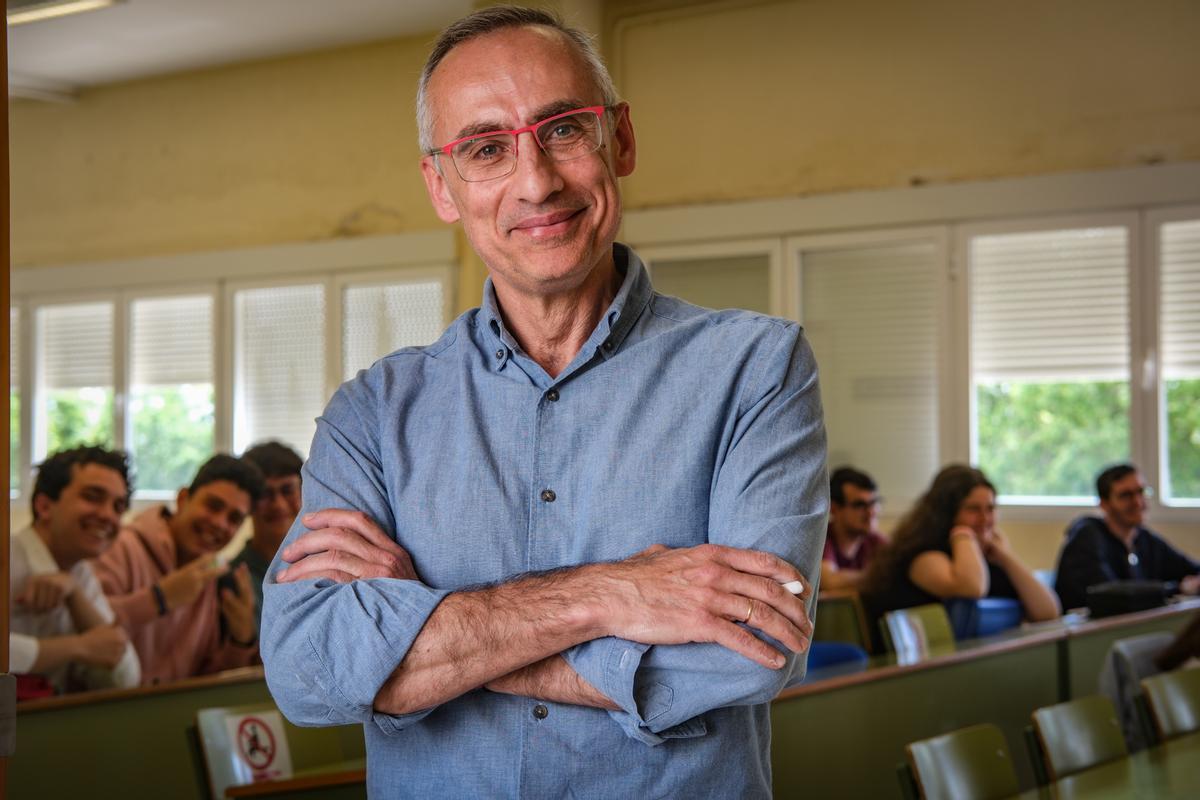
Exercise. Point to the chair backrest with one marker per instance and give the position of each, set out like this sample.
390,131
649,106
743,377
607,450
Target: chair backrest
983,617
1078,734
827,654
917,631
969,764
841,618
1130,661
1174,702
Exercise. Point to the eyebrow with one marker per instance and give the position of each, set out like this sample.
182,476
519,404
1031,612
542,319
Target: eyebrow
541,113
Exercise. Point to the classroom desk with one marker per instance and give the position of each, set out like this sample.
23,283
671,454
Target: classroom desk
842,732
1169,771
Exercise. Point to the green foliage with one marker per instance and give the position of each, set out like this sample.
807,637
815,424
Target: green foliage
172,434
79,416
1051,439
1183,437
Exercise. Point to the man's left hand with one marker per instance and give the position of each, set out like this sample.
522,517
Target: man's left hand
344,546
238,607
1190,584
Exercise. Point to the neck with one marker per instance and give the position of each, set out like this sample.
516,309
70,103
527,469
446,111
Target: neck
552,328
64,560
844,539
1125,533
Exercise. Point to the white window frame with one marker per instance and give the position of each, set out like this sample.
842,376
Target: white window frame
772,248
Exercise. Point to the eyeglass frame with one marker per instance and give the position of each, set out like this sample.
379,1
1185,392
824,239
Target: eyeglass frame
446,150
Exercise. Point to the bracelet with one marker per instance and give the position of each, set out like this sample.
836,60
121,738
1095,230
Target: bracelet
160,599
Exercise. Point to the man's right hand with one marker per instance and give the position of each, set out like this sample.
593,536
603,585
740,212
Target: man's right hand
186,583
103,645
697,594
344,546
44,592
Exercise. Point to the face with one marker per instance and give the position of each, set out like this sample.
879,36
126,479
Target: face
859,515
275,512
546,227
978,511
83,521
207,519
1126,501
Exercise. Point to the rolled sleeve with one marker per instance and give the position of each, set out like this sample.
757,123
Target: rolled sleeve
327,648
770,493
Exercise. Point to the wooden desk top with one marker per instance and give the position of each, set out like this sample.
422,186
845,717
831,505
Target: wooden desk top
888,666
232,676
1169,771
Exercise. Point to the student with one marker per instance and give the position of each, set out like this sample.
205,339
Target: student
160,576
62,626
853,538
947,546
1118,546
273,514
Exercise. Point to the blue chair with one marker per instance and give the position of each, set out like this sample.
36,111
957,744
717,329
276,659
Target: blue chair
826,654
971,619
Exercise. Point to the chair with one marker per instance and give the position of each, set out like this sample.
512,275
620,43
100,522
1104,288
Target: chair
986,616
840,618
1130,661
916,631
1072,736
827,654
969,764
1174,702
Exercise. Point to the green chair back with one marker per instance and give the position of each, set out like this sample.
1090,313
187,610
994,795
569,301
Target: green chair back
969,764
1174,702
918,630
840,618
1079,734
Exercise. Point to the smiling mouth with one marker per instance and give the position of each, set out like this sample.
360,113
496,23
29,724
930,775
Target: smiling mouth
547,224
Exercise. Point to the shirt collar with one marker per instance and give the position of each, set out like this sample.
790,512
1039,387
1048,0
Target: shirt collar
610,332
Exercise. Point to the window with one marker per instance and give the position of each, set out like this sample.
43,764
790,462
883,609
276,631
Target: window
1049,343
1179,274
870,312
171,394
278,364
378,318
74,397
733,281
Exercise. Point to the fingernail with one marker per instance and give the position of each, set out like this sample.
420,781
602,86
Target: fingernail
778,661
281,574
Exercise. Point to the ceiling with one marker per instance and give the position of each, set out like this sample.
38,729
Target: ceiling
52,59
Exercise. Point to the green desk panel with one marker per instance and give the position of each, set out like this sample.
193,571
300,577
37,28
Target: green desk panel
846,742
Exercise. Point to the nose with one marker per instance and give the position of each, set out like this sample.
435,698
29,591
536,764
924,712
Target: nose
535,176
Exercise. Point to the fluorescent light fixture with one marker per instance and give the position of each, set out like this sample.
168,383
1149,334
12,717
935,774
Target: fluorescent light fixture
36,12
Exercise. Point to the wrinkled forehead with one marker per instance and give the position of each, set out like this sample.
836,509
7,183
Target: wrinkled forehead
518,67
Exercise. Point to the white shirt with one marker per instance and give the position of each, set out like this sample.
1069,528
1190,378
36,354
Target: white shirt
30,556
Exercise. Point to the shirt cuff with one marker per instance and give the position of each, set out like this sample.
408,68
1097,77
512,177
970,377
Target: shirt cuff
611,665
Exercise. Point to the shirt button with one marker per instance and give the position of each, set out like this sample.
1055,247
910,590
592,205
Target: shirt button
548,495
499,354
608,345
540,711
552,395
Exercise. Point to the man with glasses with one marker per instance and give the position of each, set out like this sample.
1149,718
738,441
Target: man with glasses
548,552
853,536
272,516
1118,546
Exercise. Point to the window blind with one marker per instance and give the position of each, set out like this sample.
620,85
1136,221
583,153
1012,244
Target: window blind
377,319
871,314
1179,270
279,364
172,340
1050,305
75,345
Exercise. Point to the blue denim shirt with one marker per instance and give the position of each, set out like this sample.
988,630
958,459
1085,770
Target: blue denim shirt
675,425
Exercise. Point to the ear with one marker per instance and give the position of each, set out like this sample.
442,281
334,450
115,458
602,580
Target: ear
624,145
181,499
41,505
439,191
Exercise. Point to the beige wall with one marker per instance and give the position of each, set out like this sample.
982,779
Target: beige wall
853,94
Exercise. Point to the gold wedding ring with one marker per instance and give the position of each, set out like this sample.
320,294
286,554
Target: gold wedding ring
749,613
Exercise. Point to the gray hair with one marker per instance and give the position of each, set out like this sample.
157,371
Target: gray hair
492,19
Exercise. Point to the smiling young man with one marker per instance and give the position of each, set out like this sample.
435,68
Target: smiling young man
547,551
853,537
1118,546
161,577
62,626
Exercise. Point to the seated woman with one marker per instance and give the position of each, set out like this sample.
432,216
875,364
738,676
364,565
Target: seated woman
947,546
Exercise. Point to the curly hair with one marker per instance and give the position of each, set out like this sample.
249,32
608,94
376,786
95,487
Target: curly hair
55,473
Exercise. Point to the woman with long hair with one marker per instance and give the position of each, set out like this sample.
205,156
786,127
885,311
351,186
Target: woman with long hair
947,546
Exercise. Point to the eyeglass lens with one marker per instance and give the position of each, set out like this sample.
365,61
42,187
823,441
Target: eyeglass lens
495,155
